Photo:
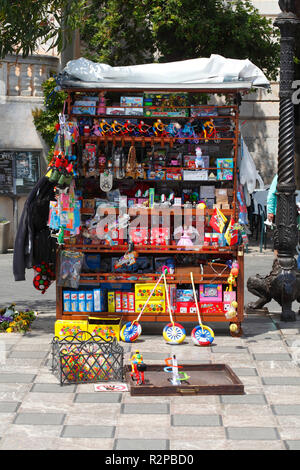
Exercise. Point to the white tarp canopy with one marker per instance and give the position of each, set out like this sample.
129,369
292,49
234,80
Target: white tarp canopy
215,69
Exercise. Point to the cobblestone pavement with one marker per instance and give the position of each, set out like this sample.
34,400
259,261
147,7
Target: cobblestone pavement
37,413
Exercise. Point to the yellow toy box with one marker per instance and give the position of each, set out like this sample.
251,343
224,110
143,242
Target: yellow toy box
108,327
111,302
152,307
63,328
142,292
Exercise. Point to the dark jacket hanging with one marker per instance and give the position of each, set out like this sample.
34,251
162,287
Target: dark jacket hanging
33,243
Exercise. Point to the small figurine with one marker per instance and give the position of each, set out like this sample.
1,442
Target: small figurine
186,234
101,104
104,126
116,128
199,162
138,368
159,128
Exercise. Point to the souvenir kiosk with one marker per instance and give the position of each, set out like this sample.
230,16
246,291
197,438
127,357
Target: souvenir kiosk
158,182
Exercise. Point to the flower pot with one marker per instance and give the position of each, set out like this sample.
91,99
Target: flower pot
4,236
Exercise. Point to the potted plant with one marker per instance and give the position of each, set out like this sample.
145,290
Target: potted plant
4,234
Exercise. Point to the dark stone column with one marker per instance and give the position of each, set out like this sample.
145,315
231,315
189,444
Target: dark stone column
286,231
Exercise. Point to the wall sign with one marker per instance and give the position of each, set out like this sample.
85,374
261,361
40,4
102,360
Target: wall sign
19,171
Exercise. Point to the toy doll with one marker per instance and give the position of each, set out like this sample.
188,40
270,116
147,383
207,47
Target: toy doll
199,162
187,233
101,103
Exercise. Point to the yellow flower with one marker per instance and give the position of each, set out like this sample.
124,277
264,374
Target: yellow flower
9,330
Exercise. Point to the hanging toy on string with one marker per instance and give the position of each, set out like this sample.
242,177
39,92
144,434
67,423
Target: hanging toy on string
44,277
234,272
201,335
132,330
173,333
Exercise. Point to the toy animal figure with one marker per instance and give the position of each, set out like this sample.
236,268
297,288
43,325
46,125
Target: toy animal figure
267,288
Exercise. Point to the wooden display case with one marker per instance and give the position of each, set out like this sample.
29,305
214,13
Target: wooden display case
211,272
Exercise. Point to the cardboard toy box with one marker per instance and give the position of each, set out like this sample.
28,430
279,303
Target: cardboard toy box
142,292
211,308
160,104
63,328
106,327
186,307
158,306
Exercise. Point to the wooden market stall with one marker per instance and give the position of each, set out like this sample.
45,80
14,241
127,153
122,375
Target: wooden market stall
165,170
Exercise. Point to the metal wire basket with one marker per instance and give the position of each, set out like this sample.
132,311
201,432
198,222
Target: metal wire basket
84,358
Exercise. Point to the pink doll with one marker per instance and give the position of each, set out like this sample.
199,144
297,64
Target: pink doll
186,233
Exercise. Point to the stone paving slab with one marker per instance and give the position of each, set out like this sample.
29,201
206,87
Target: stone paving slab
88,431
253,399
52,388
196,420
98,397
281,381
145,408
9,406
40,418
293,445
252,433
10,377
284,410
141,444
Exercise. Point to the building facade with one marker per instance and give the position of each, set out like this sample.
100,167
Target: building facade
260,114
22,150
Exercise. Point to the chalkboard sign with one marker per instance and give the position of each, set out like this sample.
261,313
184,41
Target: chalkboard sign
27,165
6,173
19,171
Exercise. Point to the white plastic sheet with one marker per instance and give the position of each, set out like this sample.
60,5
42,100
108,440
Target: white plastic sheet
248,172
215,69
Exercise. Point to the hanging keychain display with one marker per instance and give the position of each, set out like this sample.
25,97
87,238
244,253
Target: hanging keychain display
107,178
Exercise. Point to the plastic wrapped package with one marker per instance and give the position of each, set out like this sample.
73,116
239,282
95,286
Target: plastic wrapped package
70,268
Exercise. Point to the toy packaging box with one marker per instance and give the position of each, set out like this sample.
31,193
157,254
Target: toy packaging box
139,236
225,168
186,307
195,175
210,292
107,328
155,307
159,236
211,307
134,111
115,111
132,101
63,328
203,111
84,107
165,104
142,292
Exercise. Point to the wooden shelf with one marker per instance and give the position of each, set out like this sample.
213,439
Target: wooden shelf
150,317
156,139
168,249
